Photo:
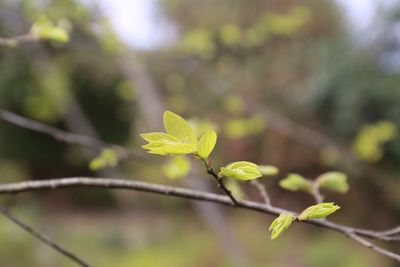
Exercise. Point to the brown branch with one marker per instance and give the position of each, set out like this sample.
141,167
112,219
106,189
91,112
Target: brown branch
221,185
6,212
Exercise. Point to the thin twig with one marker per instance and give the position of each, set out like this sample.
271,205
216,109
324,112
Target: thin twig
63,136
222,186
262,190
319,198
6,212
374,247
391,232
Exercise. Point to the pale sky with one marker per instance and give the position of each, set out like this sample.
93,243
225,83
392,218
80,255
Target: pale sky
140,24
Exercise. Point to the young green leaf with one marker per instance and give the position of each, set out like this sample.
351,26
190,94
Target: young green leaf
334,181
177,167
241,170
318,211
166,144
280,224
163,149
268,170
175,125
206,144
296,182
161,137
44,29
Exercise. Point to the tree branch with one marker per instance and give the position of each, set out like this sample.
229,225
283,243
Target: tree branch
221,185
112,183
6,212
124,153
63,136
374,247
17,40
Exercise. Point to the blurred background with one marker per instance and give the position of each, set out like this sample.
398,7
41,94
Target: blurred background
308,86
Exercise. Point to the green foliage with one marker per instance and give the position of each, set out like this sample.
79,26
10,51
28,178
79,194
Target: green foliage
179,139
206,144
241,170
296,182
166,144
368,144
330,155
268,170
280,224
239,128
233,104
287,24
318,211
177,167
230,34
44,29
175,125
199,41
107,158
334,181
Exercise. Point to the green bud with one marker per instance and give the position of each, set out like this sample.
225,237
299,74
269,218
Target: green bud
334,181
241,170
280,224
44,29
318,211
268,170
296,182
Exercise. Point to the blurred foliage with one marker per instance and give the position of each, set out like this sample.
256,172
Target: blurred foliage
107,158
368,144
231,63
177,167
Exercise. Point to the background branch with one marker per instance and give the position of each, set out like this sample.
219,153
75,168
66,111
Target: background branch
17,40
374,247
63,136
51,243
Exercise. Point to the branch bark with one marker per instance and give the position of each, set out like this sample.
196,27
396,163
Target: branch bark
113,183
